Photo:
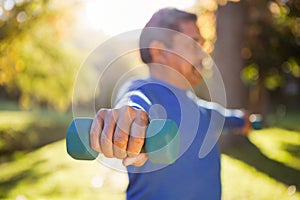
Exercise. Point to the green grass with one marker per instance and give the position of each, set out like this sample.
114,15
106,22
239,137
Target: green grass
49,173
243,181
265,166
29,129
29,172
279,145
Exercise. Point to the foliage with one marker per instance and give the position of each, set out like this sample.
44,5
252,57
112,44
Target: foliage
37,65
272,42
270,48
206,21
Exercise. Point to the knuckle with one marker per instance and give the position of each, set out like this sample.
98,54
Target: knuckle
137,142
132,154
113,115
95,147
95,127
128,112
120,154
128,108
142,117
105,143
106,146
109,114
134,150
101,113
93,132
120,140
108,154
120,150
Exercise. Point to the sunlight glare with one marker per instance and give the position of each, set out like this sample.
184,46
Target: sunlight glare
117,16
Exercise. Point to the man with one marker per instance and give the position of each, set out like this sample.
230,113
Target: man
167,46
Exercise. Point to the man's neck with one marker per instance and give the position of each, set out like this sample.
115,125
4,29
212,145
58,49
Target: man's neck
169,75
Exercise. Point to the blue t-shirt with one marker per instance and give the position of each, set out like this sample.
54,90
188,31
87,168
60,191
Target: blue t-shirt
196,173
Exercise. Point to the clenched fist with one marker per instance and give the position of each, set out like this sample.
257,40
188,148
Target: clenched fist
120,133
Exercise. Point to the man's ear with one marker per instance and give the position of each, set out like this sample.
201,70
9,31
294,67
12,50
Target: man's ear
158,51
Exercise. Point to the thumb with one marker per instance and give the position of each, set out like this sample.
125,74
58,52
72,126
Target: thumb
137,161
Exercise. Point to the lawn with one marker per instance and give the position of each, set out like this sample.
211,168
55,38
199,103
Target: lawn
28,129
264,166
49,173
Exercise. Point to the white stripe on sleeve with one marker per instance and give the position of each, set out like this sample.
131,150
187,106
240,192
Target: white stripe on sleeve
126,101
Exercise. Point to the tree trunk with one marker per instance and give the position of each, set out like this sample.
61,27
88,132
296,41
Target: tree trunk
227,54
231,20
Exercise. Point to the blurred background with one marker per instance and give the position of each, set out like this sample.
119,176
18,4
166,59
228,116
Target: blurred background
43,44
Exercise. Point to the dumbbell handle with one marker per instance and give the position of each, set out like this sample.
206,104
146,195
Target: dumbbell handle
256,121
161,144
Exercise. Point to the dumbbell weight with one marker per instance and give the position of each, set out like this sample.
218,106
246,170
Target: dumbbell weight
161,142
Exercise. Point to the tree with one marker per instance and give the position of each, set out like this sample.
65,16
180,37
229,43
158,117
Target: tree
271,51
259,40
227,54
36,64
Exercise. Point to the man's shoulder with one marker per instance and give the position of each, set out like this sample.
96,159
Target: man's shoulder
131,85
147,84
136,84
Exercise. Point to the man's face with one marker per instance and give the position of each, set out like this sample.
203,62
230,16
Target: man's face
186,53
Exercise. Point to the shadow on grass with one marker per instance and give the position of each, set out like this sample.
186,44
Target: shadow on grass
28,130
292,149
31,137
241,148
29,174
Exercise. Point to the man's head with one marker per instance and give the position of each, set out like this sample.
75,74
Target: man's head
167,18
172,38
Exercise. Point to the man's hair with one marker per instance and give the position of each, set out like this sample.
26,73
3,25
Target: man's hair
166,18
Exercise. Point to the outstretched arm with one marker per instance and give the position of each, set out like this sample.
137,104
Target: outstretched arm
234,119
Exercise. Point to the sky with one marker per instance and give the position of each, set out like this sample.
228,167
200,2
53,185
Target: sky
116,16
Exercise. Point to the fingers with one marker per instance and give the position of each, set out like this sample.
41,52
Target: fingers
137,133
106,136
96,129
120,133
136,140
